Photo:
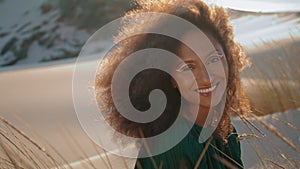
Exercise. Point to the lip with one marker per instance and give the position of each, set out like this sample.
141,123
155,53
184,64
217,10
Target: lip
206,91
204,87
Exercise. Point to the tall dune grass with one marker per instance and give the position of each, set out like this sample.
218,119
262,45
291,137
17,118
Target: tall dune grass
273,81
273,85
19,151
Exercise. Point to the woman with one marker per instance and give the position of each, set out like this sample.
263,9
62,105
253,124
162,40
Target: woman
208,85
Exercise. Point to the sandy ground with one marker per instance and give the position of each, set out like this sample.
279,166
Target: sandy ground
41,97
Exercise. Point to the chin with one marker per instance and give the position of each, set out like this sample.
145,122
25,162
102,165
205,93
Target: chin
208,103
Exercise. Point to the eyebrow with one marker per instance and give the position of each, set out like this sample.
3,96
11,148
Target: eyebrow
188,61
191,61
184,62
214,51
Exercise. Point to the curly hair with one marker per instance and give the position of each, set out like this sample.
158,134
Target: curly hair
211,18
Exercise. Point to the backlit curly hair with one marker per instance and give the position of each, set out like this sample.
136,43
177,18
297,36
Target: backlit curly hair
211,18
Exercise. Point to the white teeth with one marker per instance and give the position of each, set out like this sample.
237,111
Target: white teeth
206,90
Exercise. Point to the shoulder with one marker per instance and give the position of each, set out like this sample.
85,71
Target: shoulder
233,146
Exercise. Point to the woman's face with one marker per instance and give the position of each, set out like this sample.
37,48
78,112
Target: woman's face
209,69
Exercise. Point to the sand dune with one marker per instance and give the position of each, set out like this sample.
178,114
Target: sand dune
42,97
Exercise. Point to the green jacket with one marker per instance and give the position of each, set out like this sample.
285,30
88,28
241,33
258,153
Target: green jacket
187,152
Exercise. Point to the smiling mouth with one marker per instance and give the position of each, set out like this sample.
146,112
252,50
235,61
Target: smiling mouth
207,90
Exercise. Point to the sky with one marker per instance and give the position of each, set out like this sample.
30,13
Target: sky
265,6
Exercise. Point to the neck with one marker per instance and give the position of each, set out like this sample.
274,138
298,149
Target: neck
202,115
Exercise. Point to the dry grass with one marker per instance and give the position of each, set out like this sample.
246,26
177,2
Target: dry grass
19,151
272,82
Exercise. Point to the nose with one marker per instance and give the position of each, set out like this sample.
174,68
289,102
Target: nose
204,77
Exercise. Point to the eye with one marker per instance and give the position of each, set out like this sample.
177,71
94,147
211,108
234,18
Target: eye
185,67
214,58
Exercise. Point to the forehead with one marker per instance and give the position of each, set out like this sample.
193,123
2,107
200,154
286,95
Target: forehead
201,43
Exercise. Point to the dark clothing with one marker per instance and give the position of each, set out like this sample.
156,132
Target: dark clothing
187,152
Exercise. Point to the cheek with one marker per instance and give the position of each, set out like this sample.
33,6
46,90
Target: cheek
219,70
184,84
185,81
225,66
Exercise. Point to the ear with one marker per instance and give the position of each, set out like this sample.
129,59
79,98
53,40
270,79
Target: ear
174,84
